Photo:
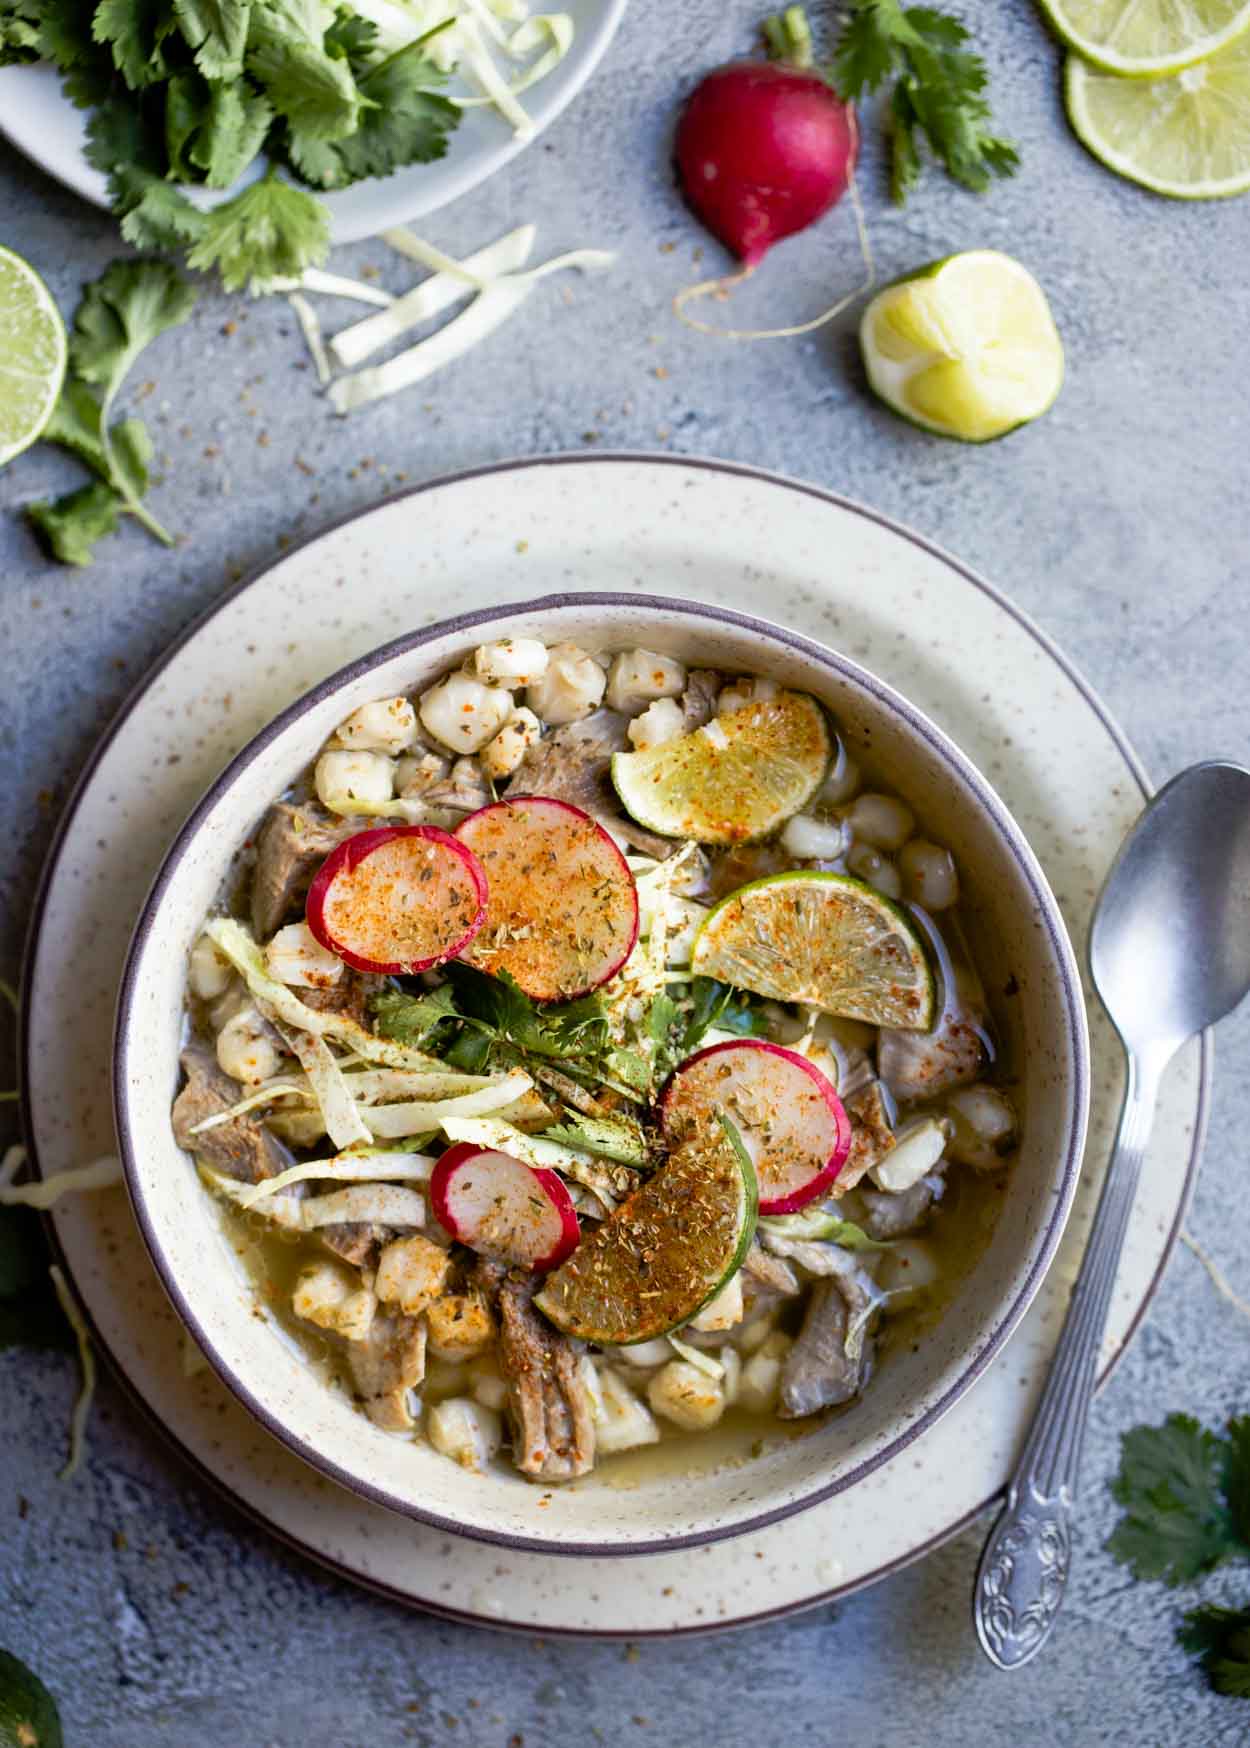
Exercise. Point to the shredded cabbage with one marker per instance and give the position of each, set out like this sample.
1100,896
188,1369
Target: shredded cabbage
11,1164
239,946
264,1095
390,1122
86,1361
366,1165
488,311
282,1209
310,326
702,1362
351,346
100,1175
814,1225
385,1204
344,1124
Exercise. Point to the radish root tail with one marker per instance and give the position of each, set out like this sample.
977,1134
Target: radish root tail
721,288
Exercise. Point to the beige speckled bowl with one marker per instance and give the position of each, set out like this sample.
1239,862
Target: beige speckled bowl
1021,945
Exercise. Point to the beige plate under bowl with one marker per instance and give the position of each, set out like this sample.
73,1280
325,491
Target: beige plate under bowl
701,531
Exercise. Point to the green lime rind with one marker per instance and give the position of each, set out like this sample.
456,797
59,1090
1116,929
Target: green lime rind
827,940
665,1252
734,781
1209,103
33,354
28,1714
1177,50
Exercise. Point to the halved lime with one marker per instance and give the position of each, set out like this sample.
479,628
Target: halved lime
665,1252
824,939
966,347
1146,39
1187,136
33,351
736,779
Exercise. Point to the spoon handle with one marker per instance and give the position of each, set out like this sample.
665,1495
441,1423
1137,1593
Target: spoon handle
1024,1567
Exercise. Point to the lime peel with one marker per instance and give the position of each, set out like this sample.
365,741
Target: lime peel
33,353
827,940
1147,39
965,347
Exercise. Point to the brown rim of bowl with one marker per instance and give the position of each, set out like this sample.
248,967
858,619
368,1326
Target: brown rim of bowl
940,745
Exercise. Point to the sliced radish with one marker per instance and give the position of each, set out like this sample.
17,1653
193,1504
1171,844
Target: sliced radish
398,899
790,1118
502,1208
562,915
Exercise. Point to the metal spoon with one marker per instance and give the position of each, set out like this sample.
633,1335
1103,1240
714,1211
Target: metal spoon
1170,955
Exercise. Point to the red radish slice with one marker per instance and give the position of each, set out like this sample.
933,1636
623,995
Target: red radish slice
790,1118
496,1205
562,915
398,899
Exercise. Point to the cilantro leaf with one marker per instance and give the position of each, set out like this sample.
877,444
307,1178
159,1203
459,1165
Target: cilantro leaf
186,101
939,94
352,37
216,31
616,1137
271,230
403,121
75,425
1176,1524
136,31
1220,1639
19,32
124,141
68,527
412,1019
286,53
1237,1476
232,133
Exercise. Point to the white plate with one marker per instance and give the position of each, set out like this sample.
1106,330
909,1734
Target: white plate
886,598
45,125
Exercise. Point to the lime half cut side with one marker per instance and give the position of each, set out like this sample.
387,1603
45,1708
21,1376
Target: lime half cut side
665,1252
966,347
1147,39
33,350
1187,136
736,779
827,940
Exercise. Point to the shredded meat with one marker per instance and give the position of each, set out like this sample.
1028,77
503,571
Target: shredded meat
740,865
349,995
553,1434
293,843
830,1362
698,701
388,1363
920,1065
890,1216
243,1148
771,1271
871,1136
358,1242
573,763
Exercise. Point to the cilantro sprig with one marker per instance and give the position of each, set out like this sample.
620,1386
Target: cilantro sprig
192,92
1186,1497
938,93
121,313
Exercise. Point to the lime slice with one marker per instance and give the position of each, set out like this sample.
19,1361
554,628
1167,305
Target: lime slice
668,1250
1145,39
966,347
823,939
1188,136
733,781
32,355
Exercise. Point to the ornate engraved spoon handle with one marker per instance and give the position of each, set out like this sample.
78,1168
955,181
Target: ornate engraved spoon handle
1024,1568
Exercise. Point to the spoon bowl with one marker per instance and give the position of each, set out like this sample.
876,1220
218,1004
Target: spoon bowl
1170,945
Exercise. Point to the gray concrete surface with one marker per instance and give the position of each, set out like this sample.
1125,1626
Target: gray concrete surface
1121,522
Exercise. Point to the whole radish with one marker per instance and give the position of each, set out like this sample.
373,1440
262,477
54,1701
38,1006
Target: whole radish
765,148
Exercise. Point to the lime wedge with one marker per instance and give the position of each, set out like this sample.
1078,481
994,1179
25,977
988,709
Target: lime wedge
1145,39
33,350
823,939
966,347
733,781
1187,136
665,1252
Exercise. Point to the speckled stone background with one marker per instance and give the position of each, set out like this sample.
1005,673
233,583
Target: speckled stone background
1121,522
